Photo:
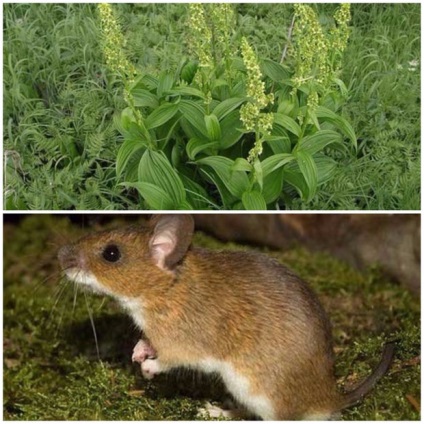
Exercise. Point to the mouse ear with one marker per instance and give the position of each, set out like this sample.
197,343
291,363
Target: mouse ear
171,239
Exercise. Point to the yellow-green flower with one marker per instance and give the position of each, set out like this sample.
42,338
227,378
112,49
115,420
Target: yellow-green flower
250,113
341,31
311,46
200,42
223,22
318,54
113,44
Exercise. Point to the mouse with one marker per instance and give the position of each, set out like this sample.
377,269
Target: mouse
239,314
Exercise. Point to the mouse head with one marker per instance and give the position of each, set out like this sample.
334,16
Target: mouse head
128,262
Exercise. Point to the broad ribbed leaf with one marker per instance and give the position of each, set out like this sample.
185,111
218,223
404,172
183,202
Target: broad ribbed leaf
241,164
161,115
274,70
339,122
197,145
230,129
278,144
309,171
148,81
325,168
187,91
155,168
127,149
253,200
274,162
285,107
236,182
273,184
144,98
194,113
212,127
227,106
154,196
316,142
288,123
189,71
166,81
127,117
196,194
259,174
297,180
211,176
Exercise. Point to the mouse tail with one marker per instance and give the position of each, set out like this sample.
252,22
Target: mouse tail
351,398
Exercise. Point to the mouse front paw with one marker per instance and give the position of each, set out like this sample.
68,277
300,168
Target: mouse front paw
150,367
142,351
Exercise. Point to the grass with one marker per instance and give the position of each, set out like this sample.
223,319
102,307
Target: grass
59,100
53,369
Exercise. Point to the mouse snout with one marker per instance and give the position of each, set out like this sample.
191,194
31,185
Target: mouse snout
67,257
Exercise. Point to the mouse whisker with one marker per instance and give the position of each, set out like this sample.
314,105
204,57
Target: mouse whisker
74,303
90,314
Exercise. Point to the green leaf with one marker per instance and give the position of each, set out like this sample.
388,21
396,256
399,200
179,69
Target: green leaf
253,200
189,71
144,98
211,177
230,130
166,81
212,127
227,106
149,81
325,168
194,114
185,206
316,142
309,171
127,118
297,180
273,184
219,83
197,145
339,122
278,144
274,162
155,168
285,107
128,148
288,123
274,70
155,196
241,164
259,175
128,126
187,91
236,182
196,194
161,115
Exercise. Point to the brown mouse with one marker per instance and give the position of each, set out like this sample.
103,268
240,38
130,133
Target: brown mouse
242,315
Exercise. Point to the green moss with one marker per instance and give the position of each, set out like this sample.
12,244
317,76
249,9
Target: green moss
52,369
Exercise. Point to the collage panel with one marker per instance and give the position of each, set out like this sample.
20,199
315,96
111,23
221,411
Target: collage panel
186,317
212,106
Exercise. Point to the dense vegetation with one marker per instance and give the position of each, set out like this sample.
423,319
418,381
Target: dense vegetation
55,368
62,105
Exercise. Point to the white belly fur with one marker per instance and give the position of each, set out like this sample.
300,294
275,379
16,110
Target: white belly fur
239,387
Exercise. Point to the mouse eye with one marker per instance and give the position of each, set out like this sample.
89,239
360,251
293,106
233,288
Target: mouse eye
111,253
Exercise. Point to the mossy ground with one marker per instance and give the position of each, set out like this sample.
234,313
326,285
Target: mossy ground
54,371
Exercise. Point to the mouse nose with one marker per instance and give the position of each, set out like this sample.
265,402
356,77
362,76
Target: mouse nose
66,256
